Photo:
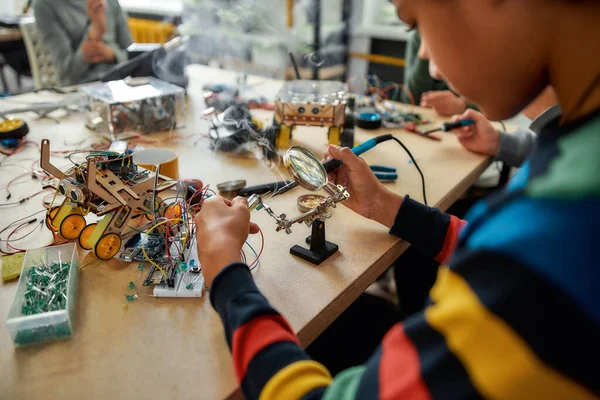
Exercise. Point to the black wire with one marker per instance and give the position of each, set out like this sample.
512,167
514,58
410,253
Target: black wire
416,166
19,220
37,226
11,204
503,126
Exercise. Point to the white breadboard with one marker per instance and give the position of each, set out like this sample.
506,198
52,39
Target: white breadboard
187,284
182,282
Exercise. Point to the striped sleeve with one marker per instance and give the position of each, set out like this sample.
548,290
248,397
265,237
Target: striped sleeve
268,361
431,231
494,329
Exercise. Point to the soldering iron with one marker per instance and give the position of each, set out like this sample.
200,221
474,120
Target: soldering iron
449,126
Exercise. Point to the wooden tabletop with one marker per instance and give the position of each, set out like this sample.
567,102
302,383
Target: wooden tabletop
175,348
10,35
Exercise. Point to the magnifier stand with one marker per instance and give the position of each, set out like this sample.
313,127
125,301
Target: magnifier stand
320,249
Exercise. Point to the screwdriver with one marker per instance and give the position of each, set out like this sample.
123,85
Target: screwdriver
333,164
449,126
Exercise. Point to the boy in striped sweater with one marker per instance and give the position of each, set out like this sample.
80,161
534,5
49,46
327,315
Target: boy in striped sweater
515,313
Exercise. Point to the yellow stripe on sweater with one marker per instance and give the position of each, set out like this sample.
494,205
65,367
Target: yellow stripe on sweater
296,380
498,361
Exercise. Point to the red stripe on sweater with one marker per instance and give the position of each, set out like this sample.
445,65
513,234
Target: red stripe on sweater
255,335
400,368
451,240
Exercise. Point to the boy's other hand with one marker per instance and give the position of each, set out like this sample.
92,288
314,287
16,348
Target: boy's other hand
481,137
444,102
222,227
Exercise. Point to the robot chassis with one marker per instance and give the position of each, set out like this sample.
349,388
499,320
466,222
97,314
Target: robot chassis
96,188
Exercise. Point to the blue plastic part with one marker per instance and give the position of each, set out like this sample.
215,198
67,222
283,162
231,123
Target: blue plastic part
367,116
9,143
365,146
381,168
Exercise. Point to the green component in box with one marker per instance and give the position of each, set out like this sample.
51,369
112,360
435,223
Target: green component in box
44,304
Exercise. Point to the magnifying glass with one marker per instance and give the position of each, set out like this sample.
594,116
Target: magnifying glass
306,169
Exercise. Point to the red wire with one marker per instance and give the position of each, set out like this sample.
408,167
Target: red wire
21,145
13,180
12,233
406,90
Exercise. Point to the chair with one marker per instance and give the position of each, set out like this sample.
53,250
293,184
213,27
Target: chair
41,61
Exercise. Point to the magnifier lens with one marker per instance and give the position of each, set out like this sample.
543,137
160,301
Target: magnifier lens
307,167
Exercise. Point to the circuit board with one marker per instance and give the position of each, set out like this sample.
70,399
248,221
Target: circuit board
153,244
178,265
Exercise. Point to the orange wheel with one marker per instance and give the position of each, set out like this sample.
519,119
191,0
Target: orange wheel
71,226
173,211
157,205
108,246
84,237
50,215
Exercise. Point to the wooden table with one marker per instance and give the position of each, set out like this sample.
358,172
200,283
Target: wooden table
175,348
10,35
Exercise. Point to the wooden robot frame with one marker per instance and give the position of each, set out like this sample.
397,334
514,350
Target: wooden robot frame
314,103
98,190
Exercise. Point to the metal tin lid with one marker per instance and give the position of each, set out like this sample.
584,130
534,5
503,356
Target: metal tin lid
309,201
231,186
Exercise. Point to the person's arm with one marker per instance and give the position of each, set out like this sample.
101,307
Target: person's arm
123,35
416,72
72,68
489,313
432,232
516,147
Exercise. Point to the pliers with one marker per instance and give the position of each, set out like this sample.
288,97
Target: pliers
384,174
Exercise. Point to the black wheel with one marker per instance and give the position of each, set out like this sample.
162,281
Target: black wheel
13,128
347,138
350,121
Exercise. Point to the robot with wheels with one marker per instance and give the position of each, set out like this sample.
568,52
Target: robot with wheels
314,103
108,185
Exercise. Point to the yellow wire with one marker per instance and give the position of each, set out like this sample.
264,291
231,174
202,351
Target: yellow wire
144,250
56,191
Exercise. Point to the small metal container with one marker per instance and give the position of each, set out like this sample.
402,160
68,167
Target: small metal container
229,189
309,201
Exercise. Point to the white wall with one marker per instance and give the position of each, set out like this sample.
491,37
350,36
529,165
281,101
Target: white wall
8,7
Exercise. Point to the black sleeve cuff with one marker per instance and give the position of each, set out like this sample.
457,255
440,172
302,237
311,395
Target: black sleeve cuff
232,281
422,226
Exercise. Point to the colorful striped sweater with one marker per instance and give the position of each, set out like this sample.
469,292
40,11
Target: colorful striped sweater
515,315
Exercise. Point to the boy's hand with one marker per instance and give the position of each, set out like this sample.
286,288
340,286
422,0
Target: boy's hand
481,137
368,196
444,102
222,227
96,52
97,15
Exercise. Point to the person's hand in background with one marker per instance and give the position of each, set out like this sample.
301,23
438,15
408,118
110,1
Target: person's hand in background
97,52
222,227
481,137
97,15
368,196
444,102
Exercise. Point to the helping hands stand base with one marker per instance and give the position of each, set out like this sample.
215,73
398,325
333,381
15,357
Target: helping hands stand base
320,249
